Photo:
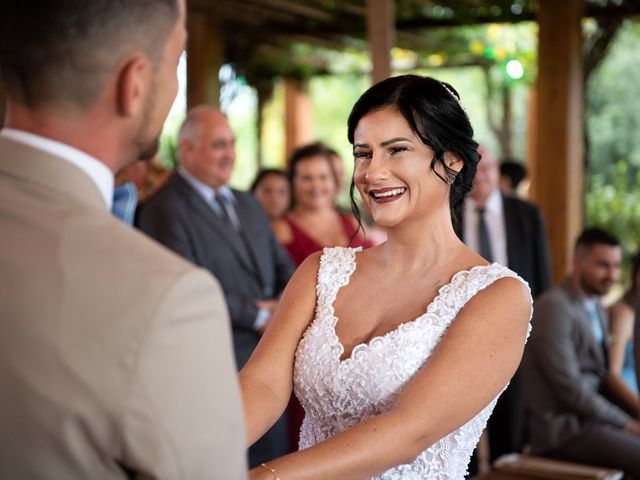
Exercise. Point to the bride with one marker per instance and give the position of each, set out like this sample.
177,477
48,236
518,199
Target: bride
397,353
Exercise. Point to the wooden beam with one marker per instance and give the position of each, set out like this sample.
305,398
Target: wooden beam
296,8
298,115
532,138
381,34
205,56
264,91
559,145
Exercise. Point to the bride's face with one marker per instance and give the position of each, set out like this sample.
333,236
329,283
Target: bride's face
393,170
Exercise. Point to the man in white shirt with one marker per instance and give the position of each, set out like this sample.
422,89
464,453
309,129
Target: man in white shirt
115,354
509,231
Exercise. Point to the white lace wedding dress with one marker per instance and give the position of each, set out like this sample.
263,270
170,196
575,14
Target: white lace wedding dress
339,394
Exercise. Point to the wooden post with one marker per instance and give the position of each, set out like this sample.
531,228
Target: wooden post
532,137
381,32
559,145
3,102
205,56
298,115
264,91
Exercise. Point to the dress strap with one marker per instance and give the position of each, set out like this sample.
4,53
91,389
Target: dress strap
466,284
336,266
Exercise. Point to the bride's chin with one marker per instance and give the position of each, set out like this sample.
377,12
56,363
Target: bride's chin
385,221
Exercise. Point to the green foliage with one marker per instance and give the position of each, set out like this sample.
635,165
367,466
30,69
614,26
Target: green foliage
612,203
612,196
613,104
242,117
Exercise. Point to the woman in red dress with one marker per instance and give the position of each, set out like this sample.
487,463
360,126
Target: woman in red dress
313,223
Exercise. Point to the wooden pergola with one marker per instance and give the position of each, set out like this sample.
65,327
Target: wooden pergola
254,35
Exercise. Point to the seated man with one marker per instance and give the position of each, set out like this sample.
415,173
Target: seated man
571,415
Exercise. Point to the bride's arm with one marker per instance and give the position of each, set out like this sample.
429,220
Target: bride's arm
267,378
474,361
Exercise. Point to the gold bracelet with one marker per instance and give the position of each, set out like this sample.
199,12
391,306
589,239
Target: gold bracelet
273,472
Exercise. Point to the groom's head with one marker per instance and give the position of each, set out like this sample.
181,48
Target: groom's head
113,58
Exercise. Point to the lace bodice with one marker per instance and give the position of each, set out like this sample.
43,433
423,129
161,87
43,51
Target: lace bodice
337,394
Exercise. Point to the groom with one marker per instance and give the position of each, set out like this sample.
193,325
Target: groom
115,355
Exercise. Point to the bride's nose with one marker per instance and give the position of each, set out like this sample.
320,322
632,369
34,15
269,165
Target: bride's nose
377,169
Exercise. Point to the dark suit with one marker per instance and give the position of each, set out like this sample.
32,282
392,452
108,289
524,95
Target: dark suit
180,218
527,246
563,372
528,256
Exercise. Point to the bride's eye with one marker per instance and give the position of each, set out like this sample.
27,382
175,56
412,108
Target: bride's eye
394,150
360,154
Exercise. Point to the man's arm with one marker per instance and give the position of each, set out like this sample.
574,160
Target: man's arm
552,346
182,417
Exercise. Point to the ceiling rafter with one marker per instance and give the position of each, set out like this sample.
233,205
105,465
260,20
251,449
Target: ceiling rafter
257,32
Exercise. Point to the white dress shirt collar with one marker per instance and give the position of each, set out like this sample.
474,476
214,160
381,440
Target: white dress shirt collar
97,171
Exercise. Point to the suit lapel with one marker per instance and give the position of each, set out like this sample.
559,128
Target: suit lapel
585,323
245,213
198,205
510,221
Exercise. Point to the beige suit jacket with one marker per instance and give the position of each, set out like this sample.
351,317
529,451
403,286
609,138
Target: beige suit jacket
115,354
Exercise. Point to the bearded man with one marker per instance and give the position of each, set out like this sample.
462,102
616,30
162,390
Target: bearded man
573,412
115,354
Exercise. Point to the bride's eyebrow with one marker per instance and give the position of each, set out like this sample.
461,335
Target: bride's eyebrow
386,143
361,145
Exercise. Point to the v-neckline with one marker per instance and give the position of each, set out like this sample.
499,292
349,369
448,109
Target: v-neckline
366,345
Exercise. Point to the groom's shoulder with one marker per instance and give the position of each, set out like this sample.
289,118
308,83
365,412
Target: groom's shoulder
149,256
130,256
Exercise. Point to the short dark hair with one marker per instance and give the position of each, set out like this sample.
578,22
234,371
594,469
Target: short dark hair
432,109
595,236
62,51
516,171
309,150
262,174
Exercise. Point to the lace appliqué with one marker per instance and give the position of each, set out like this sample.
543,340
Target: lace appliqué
337,394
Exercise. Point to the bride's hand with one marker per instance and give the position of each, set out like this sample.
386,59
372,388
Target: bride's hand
261,473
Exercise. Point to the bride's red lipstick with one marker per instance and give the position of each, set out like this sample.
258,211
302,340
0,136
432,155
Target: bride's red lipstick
386,195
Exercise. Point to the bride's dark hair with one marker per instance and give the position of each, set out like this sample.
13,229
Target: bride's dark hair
433,111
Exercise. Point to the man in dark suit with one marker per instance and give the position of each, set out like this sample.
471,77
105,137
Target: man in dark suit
511,232
573,413
225,231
